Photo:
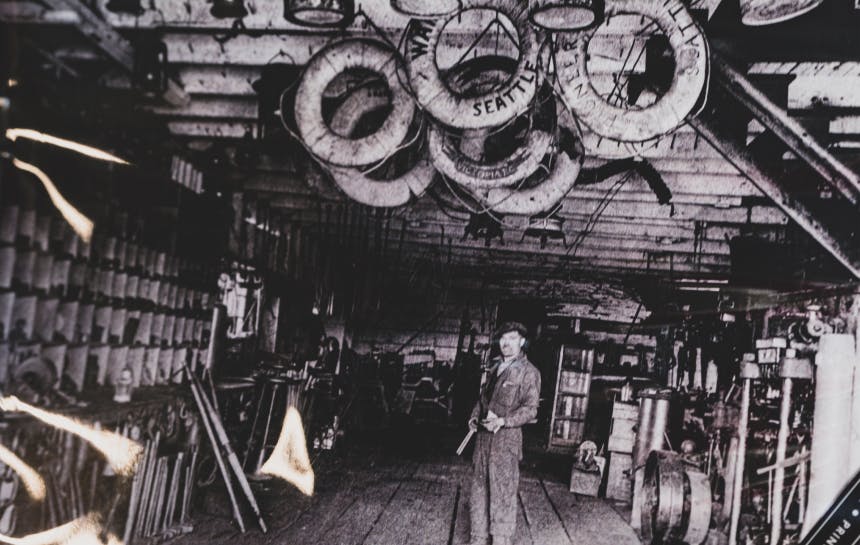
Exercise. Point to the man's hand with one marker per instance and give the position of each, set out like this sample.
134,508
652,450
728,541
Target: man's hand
473,424
493,422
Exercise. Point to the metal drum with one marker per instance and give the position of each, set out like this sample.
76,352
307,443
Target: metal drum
676,503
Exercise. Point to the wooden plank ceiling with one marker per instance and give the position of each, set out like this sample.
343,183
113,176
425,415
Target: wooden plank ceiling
609,226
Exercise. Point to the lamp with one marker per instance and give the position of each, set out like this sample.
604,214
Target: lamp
546,227
768,12
565,15
424,9
131,7
319,13
228,9
483,226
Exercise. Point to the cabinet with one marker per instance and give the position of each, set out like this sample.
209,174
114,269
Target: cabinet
570,403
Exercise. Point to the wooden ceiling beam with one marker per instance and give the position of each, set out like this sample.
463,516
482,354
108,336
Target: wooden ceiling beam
830,241
111,43
792,133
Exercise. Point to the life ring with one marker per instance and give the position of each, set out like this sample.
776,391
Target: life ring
669,111
479,112
320,139
424,9
359,103
365,187
383,193
542,197
450,159
473,174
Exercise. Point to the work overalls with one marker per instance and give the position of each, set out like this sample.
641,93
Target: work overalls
514,395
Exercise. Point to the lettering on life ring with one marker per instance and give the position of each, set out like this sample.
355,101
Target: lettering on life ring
540,198
324,143
614,122
447,151
489,109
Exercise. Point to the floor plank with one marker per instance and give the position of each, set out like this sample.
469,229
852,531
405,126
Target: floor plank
351,526
461,522
546,528
590,520
522,534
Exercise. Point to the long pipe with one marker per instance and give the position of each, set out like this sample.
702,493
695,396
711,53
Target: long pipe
216,450
779,472
743,425
220,439
746,164
795,136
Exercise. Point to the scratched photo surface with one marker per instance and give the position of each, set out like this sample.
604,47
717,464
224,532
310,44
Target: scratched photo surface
429,272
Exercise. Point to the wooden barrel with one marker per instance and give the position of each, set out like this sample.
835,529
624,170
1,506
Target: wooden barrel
676,505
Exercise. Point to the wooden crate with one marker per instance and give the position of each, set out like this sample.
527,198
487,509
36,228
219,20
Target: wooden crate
618,484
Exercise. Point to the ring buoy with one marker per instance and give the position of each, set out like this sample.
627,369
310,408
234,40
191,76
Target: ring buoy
383,193
464,170
542,197
385,185
359,103
423,8
320,139
489,109
545,195
669,111
449,158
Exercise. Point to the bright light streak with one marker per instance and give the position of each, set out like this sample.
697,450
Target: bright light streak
289,459
82,225
121,453
81,531
89,151
33,482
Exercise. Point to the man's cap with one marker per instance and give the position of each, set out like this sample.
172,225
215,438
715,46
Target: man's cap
507,327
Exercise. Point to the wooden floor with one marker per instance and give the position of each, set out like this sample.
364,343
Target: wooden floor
414,503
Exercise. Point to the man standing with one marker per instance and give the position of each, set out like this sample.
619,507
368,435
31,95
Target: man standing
509,399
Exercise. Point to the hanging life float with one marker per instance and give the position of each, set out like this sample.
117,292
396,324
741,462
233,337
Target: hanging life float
355,106
540,192
483,159
684,95
328,64
491,109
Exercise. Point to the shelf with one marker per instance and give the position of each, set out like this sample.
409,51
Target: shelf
574,418
572,393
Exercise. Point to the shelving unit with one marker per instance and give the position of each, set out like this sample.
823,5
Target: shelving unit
570,403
